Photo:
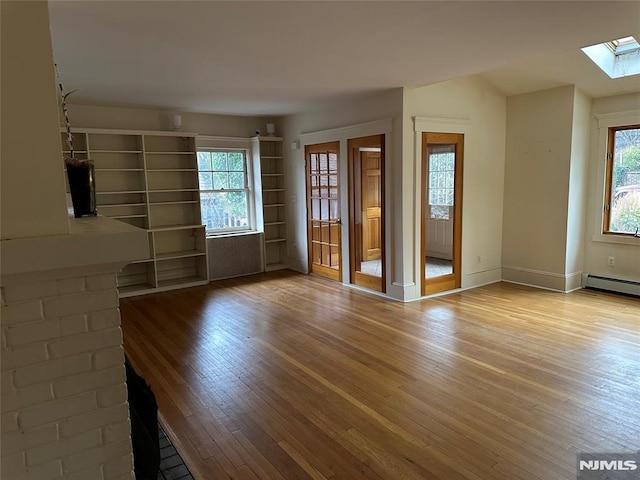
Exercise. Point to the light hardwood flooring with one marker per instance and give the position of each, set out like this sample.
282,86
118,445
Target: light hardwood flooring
287,376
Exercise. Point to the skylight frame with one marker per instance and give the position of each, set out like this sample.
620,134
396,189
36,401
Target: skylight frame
617,58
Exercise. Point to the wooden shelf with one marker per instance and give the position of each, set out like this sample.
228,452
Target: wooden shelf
275,240
164,228
269,155
116,151
182,282
133,168
153,170
177,202
120,192
174,255
170,153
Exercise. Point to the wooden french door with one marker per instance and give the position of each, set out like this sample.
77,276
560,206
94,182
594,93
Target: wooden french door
442,161
323,210
366,212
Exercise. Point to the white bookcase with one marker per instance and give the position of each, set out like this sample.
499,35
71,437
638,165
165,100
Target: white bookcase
150,180
268,153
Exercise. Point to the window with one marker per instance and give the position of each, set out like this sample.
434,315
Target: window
441,180
617,58
622,188
224,191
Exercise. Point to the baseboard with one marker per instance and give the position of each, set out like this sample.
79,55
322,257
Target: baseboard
556,282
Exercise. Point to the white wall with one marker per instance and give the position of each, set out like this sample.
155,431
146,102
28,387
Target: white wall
473,101
578,180
368,108
154,119
597,248
538,158
32,197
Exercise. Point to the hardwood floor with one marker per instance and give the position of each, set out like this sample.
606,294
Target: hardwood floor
287,376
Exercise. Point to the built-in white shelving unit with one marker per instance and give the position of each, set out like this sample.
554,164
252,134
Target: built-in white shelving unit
268,153
150,180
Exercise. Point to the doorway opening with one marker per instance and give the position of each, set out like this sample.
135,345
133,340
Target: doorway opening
366,212
441,226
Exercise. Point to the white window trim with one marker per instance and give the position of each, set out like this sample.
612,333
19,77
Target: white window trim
604,122
205,143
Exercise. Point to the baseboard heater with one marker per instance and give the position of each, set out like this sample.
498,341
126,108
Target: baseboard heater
627,287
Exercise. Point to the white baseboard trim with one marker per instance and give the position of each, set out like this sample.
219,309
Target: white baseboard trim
557,282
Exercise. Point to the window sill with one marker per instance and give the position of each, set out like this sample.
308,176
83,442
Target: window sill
619,239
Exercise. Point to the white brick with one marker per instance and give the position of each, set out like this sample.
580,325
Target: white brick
94,419
63,448
118,467
85,342
71,285
22,440
30,291
9,422
27,397
94,473
57,410
108,358
96,455
81,303
16,357
116,431
46,471
101,282
73,325
88,381
52,370
33,332
112,395
104,319
21,312
6,382
12,465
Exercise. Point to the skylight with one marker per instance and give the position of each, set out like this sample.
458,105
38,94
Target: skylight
617,58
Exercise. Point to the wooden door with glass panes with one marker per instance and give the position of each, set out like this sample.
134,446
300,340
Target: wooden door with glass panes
323,210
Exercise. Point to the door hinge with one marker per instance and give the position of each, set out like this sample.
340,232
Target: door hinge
607,208
609,155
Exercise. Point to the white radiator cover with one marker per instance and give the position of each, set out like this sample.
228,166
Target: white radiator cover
235,255
611,284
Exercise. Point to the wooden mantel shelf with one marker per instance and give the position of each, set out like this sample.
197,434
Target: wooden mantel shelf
92,241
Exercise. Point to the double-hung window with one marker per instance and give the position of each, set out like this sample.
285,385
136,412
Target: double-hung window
622,186
224,190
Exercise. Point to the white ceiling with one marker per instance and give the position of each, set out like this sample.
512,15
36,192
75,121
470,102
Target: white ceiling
276,58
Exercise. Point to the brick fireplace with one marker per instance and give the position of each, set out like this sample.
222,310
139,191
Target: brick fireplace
64,399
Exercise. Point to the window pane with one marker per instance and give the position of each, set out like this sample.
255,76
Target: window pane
236,162
206,180
219,161
236,180
625,182
224,210
220,180
204,160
